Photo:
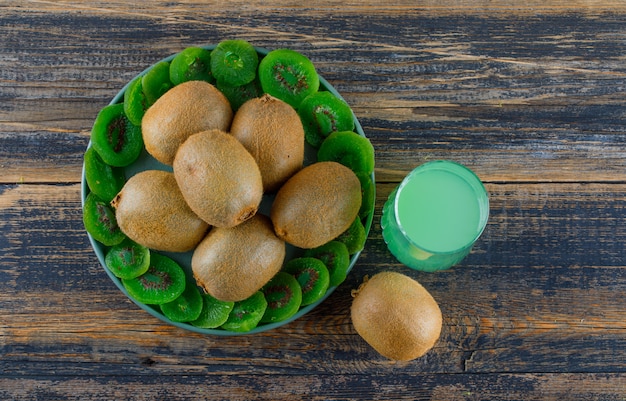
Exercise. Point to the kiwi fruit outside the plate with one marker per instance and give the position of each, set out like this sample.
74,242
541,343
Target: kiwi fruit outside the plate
233,263
396,315
163,282
316,204
218,178
151,211
272,132
184,110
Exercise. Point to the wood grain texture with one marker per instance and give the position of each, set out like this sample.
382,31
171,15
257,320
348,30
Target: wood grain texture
543,92
530,96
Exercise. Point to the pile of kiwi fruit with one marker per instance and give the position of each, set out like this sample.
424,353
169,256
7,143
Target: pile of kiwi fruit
256,171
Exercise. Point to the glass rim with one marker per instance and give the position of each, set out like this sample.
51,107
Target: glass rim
470,178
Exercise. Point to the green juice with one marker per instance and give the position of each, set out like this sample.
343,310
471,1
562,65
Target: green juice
433,218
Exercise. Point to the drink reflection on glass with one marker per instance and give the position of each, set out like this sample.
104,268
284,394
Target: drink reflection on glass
432,219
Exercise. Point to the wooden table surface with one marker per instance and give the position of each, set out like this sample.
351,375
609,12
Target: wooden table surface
530,95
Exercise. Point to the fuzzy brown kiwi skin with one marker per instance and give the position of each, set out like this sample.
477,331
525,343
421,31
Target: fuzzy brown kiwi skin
231,264
272,132
151,211
396,315
316,204
218,178
184,110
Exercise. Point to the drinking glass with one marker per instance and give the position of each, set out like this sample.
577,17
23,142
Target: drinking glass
433,218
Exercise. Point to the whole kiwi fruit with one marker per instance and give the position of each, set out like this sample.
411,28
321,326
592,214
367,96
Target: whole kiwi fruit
151,211
231,264
316,204
396,315
186,109
218,178
272,132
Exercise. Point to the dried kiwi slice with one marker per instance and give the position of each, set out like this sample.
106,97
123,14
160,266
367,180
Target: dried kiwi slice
115,138
312,275
128,259
246,314
368,194
214,312
99,220
284,297
191,64
234,62
238,95
186,307
354,237
156,82
335,256
323,113
135,102
163,282
103,180
350,149
288,75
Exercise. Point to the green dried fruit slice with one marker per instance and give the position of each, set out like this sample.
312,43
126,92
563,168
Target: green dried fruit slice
335,256
323,113
214,312
135,102
288,75
156,82
186,307
246,314
128,259
354,237
312,275
350,149
238,95
102,179
99,220
163,282
191,64
368,194
284,297
234,62
115,138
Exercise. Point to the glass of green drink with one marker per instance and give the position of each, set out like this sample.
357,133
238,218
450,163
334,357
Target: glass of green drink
432,219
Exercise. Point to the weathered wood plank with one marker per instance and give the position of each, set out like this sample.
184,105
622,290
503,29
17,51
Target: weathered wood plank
515,305
247,387
528,95
522,98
